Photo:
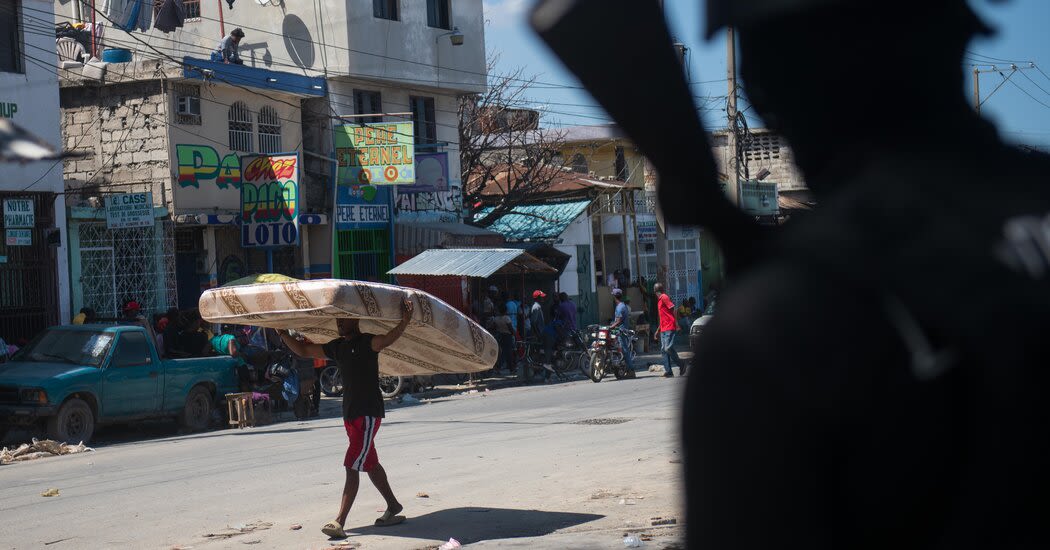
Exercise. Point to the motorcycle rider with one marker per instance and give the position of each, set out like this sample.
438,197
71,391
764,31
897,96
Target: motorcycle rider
622,318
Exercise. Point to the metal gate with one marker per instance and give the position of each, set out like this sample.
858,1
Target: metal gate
28,276
684,260
126,264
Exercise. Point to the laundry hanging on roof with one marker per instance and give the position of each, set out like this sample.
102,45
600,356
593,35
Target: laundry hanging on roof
171,16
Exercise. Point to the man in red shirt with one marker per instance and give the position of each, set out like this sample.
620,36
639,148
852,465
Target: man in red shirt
668,330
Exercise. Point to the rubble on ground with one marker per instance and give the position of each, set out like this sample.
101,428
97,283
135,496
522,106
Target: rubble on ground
40,449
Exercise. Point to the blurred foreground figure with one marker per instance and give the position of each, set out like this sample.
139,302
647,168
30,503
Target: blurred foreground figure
879,378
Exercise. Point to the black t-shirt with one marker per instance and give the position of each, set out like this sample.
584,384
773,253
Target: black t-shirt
359,366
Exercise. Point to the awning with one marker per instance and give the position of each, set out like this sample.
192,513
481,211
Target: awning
413,238
536,222
546,253
472,262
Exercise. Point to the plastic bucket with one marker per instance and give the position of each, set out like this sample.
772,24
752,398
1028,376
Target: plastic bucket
116,55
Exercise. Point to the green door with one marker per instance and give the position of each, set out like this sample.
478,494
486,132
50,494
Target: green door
363,255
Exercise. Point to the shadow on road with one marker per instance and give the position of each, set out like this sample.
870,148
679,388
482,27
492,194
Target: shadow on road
469,525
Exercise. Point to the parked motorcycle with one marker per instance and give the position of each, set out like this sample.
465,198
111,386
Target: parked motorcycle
569,353
605,353
288,385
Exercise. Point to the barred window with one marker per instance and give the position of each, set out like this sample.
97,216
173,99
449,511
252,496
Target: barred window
269,130
241,128
192,9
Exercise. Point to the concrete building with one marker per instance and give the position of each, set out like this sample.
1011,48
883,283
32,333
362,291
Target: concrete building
34,275
306,71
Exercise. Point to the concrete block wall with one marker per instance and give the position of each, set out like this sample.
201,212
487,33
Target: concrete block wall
122,132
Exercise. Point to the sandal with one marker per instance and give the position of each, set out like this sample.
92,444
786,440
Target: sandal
334,530
388,518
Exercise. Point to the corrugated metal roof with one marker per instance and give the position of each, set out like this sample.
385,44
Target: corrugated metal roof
537,222
472,262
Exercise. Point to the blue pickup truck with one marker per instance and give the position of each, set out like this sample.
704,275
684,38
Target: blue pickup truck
71,379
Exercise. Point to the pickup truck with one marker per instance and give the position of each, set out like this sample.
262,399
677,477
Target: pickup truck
72,378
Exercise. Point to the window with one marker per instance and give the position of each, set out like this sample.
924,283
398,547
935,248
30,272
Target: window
11,37
269,130
192,9
423,117
366,102
241,128
131,350
188,104
763,147
579,164
385,9
438,14
621,164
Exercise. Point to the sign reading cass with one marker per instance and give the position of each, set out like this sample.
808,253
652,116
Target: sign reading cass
128,210
270,200
377,153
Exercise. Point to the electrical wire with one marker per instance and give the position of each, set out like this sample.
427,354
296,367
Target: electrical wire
1035,99
279,61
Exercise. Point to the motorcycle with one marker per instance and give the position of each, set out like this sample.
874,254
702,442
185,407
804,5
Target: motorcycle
288,386
606,353
568,353
390,386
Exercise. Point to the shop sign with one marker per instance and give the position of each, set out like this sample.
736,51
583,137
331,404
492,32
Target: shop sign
128,210
362,207
378,153
19,213
270,197
431,174
646,232
759,198
19,237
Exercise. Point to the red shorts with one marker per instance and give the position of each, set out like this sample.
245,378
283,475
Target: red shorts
361,454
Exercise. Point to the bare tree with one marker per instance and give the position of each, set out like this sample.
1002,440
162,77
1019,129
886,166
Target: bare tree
506,159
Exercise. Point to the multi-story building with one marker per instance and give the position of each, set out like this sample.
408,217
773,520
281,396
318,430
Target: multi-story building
177,123
34,277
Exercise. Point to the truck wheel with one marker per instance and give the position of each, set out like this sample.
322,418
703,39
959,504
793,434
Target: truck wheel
74,423
197,412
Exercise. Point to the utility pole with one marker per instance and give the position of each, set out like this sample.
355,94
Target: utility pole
977,89
733,142
978,71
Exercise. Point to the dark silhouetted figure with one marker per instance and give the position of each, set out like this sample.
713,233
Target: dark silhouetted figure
878,379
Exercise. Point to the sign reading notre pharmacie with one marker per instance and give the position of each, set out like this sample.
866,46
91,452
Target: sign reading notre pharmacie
377,154
19,213
270,196
129,210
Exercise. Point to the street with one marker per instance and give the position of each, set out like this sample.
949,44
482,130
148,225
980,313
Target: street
568,465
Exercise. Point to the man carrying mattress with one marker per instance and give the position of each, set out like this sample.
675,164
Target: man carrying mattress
358,357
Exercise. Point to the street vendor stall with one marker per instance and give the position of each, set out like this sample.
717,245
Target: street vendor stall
458,275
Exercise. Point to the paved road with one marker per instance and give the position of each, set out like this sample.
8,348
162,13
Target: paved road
575,464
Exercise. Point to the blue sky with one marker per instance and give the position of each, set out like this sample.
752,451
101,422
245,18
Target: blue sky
1022,37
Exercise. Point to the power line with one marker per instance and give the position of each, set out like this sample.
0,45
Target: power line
1035,99
1034,83
994,59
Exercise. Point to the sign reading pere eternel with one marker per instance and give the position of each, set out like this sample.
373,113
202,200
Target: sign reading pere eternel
378,154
